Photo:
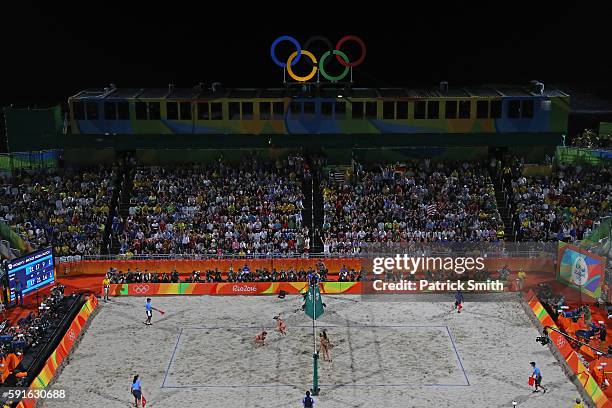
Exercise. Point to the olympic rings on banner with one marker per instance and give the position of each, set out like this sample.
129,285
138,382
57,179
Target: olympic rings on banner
340,56
141,289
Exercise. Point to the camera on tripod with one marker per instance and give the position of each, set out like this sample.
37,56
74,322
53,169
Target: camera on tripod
543,339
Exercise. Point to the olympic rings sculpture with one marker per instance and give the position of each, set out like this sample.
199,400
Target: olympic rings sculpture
320,64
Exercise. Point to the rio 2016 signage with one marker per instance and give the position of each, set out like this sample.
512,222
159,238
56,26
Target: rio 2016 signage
318,65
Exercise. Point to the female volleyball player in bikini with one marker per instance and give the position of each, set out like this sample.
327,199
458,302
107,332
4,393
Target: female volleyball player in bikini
325,345
260,338
280,325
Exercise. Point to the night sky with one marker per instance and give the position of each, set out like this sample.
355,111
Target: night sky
54,49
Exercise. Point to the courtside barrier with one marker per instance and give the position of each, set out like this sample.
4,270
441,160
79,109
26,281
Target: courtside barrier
571,357
61,351
262,288
236,288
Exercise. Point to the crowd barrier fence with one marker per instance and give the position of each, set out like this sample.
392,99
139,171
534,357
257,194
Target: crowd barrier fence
44,378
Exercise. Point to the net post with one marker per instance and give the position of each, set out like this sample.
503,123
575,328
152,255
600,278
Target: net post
315,375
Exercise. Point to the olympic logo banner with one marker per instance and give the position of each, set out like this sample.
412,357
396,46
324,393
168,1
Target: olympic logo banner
318,65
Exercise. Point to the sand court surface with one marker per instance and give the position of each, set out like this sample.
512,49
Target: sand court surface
387,353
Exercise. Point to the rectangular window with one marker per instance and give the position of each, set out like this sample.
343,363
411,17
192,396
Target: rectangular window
496,109
265,112
388,110
110,111
370,110
327,110
419,110
451,110
216,111
247,110
123,111
203,113
340,110
295,110
92,110
154,111
527,109
514,109
401,110
433,110
278,110
171,110
465,108
185,110
357,110
78,110
141,110
234,110
482,109
309,109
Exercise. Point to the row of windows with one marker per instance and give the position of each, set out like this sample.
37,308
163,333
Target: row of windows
397,110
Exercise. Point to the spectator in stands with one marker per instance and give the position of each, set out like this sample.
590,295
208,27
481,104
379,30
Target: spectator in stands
67,210
248,209
416,202
565,206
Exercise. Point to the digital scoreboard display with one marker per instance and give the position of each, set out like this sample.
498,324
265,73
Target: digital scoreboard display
35,271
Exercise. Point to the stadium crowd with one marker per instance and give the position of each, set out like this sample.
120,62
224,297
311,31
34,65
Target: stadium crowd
251,208
591,140
256,208
420,202
564,206
67,210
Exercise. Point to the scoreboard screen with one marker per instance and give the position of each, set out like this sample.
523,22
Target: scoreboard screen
35,271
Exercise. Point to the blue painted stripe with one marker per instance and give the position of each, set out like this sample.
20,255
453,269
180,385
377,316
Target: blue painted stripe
178,338
457,354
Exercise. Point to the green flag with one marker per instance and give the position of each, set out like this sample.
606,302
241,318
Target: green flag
314,303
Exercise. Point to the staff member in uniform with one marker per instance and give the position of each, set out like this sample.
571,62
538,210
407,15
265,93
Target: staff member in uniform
458,301
136,390
308,401
106,286
537,374
149,309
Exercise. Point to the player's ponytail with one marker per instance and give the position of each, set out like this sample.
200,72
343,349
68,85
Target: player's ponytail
135,378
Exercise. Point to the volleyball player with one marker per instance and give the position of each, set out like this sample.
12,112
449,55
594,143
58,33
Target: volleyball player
260,338
280,325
